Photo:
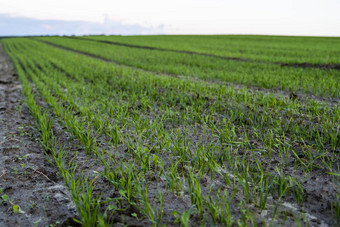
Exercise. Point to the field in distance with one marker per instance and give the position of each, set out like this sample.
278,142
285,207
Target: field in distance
187,130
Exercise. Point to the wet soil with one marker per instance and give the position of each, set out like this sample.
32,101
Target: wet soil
27,179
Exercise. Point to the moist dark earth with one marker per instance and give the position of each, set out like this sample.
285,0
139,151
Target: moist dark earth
27,179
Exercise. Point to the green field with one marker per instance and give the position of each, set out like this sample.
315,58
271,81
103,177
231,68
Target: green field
263,48
189,130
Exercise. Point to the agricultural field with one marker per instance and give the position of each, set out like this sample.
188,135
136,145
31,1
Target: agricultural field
170,131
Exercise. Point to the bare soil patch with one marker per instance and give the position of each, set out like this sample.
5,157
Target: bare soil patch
27,179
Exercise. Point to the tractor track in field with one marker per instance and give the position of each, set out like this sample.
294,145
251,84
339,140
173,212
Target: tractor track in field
27,179
300,96
282,64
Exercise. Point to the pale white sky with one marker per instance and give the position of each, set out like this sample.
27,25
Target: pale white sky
281,17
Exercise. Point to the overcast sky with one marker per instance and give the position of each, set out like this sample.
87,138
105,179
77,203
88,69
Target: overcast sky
278,17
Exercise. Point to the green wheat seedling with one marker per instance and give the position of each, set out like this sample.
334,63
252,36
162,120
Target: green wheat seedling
203,128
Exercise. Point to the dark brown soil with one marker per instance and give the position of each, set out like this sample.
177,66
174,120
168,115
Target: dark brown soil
25,175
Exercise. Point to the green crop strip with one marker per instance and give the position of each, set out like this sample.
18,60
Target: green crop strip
316,81
260,48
